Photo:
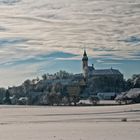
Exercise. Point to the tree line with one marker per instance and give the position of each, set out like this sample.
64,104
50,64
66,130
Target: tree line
62,88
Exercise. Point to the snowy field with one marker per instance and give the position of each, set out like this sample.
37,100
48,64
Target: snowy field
70,123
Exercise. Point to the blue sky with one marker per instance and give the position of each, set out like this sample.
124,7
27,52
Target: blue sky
46,36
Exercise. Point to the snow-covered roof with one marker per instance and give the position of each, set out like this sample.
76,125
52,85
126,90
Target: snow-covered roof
106,72
132,93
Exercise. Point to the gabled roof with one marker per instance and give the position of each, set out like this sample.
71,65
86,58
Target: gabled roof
90,68
132,93
106,72
78,76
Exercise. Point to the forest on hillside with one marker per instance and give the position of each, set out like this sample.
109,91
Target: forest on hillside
63,88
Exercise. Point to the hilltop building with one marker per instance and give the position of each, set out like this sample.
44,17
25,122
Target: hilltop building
91,71
109,82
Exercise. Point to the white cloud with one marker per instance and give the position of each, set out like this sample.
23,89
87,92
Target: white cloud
69,26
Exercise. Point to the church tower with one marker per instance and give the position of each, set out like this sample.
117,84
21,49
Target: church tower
85,64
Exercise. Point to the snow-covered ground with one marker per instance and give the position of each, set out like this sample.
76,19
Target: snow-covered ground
70,123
